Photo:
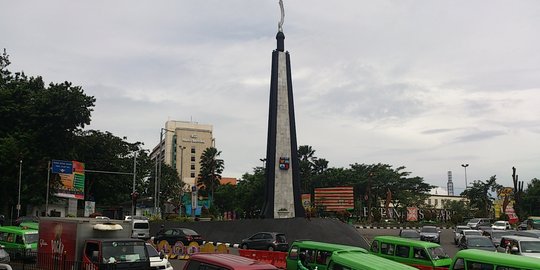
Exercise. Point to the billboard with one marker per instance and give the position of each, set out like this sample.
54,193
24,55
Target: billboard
71,179
335,198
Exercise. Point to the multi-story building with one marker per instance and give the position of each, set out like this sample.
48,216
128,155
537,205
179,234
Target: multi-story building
181,146
438,201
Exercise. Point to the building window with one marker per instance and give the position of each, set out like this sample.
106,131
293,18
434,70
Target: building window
429,201
192,158
193,166
436,202
193,150
192,175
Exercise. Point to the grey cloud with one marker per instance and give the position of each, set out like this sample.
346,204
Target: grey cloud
479,136
438,130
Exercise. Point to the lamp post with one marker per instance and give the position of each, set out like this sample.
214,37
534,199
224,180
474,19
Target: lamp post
134,195
465,166
19,198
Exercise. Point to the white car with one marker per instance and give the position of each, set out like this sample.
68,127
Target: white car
501,225
157,260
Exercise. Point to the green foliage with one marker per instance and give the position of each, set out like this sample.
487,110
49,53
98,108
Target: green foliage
479,195
170,186
310,166
211,169
531,198
459,209
39,123
246,198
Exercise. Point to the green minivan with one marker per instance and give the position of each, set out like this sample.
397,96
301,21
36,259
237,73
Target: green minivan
318,253
21,241
354,260
420,254
472,259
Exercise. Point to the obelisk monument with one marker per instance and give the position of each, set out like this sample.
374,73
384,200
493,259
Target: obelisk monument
282,187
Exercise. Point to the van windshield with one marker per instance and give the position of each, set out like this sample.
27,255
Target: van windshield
437,253
30,238
130,251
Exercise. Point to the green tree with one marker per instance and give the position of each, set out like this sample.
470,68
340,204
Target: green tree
104,152
531,198
225,198
250,193
306,162
39,123
479,195
211,169
459,209
170,186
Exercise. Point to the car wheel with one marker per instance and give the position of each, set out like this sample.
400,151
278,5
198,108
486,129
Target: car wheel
244,246
270,248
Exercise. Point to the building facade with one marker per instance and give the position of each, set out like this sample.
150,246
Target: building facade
182,144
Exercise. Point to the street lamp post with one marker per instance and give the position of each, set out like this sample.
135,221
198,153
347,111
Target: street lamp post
465,166
133,194
19,198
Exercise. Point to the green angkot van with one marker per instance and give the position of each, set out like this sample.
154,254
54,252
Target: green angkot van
472,259
19,240
354,260
419,254
318,253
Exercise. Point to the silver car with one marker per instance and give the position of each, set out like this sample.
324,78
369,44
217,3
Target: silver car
430,234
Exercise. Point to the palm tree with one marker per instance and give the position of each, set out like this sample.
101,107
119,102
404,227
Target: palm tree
211,169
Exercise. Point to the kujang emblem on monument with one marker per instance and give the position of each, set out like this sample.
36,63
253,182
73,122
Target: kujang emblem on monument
283,163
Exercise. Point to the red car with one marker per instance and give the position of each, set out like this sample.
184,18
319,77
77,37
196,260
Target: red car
224,262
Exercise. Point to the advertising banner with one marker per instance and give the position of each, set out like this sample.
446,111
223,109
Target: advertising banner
72,181
335,198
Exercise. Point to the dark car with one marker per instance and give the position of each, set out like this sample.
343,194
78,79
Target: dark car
266,241
409,234
430,234
477,242
496,236
174,235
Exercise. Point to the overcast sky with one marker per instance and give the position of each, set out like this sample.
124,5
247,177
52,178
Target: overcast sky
428,85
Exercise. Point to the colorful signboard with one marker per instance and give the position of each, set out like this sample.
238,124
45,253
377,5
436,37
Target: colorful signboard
334,198
72,180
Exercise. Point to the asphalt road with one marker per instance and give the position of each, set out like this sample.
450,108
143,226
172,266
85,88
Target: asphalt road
447,242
